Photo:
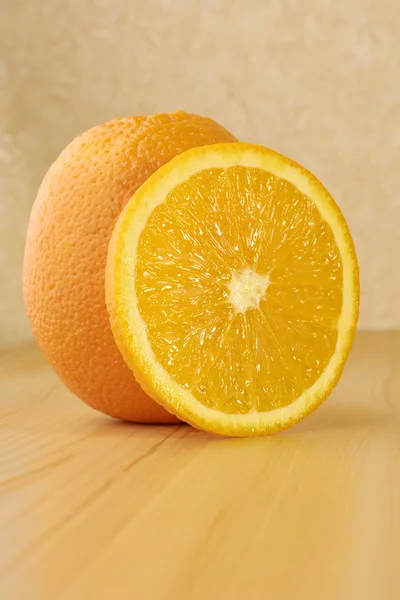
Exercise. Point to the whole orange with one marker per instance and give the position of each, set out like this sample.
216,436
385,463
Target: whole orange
70,227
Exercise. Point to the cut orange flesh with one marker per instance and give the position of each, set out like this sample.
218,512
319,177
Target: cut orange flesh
232,289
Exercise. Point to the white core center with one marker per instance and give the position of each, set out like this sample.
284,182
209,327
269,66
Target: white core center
246,289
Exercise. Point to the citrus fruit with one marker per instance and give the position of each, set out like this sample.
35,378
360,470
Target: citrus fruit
232,288
71,223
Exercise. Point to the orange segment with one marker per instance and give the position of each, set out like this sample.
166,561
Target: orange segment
233,289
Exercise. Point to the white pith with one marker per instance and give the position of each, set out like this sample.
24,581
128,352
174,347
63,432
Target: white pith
246,288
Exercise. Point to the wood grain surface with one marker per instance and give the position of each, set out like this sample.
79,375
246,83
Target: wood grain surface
91,508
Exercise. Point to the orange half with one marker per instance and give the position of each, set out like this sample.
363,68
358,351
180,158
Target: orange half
233,290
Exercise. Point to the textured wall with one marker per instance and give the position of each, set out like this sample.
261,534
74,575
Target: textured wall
317,80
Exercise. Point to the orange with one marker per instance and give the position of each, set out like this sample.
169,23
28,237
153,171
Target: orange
70,226
233,289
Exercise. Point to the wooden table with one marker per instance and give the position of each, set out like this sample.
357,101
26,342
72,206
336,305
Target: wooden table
91,508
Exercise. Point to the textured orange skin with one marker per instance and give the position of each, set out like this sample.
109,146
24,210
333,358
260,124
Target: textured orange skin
70,227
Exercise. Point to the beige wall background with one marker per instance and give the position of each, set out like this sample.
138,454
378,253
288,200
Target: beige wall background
317,80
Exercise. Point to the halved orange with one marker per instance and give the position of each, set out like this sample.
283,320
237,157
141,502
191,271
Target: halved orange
232,289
